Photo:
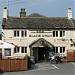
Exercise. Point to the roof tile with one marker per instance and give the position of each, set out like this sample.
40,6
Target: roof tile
37,21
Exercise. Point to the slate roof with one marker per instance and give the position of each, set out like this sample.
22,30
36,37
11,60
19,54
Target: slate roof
74,22
38,21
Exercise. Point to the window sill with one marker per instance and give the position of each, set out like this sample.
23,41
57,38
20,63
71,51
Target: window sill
17,53
23,53
20,53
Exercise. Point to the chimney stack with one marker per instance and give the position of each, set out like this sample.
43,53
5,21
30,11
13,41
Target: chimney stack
22,13
5,13
69,13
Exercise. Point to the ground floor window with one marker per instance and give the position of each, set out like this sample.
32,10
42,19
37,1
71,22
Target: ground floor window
62,49
17,50
59,49
23,49
20,50
55,49
7,52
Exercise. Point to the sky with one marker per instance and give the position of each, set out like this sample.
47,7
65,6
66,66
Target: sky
49,8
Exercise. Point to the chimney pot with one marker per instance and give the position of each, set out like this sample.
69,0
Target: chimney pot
22,13
5,7
69,13
5,13
22,9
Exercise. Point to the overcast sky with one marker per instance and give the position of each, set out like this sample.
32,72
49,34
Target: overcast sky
50,8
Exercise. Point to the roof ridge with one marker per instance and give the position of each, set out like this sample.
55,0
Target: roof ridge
36,15
58,17
40,17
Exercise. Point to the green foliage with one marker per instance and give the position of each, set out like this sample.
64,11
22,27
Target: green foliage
45,44
72,42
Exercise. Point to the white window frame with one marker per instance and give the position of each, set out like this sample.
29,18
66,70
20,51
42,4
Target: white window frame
62,48
15,33
20,33
20,50
59,50
62,31
55,49
7,50
17,52
55,33
25,50
24,33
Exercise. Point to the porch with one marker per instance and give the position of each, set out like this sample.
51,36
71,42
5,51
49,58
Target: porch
40,49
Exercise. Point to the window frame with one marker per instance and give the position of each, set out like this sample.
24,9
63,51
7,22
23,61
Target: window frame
23,50
5,51
55,33
20,33
23,33
59,33
17,50
62,33
62,49
55,49
16,33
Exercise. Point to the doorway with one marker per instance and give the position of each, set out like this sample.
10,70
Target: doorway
41,54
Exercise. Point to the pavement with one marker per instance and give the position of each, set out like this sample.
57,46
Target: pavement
47,69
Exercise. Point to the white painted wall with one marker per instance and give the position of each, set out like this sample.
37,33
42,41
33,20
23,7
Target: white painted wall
26,41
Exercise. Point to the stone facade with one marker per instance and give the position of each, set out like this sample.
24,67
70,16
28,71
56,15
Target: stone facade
27,31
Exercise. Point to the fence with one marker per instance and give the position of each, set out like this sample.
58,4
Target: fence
13,65
71,55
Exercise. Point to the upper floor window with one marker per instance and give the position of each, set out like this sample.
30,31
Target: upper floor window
55,33
62,33
23,33
16,33
20,33
58,33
